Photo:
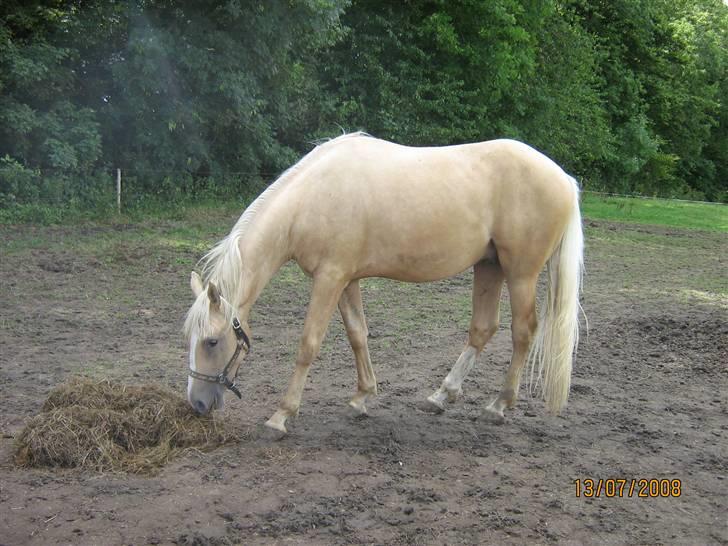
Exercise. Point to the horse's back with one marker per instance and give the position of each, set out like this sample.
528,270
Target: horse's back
430,212
495,168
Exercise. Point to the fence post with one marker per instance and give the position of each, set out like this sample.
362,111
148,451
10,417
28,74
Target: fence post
118,191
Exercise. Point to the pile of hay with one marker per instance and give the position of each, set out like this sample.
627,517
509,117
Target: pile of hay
105,426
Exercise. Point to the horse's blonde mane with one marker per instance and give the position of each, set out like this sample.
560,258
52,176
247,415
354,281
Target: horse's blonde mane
223,264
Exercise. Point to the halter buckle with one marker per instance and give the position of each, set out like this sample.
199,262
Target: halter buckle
222,378
240,333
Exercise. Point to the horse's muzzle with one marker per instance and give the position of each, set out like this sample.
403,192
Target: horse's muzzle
203,404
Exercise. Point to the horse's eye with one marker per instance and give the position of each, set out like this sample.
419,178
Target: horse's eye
211,342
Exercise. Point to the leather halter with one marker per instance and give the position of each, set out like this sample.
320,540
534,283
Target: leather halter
222,377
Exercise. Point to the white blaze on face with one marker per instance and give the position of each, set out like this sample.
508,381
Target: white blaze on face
193,366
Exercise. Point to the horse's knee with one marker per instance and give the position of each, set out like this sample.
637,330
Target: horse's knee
307,351
480,335
358,339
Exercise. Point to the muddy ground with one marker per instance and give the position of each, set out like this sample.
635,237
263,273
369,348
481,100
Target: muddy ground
648,402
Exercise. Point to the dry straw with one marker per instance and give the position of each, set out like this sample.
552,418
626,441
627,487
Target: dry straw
105,426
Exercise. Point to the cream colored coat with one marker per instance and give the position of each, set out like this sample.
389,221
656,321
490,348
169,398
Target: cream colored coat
359,207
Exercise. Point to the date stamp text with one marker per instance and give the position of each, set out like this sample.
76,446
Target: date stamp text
628,487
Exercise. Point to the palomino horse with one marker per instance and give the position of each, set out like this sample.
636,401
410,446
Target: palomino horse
358,207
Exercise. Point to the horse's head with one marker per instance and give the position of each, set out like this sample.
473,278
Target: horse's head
217,346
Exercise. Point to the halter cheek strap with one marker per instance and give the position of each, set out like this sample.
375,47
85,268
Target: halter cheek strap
243,342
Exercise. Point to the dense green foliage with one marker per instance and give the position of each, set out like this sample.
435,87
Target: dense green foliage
214,98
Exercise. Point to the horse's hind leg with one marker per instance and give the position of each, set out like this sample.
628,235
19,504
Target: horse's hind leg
352,312
523,327
487,285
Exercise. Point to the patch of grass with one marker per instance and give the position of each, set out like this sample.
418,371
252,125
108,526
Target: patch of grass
704,216
37,214
190,228
191,210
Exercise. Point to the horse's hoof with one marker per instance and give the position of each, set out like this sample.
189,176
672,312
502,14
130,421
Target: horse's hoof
276,427
433,404
265,433
493,416
358,408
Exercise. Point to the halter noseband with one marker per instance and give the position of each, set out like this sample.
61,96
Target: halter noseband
222,377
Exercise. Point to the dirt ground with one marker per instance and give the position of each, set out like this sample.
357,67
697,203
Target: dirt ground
648,402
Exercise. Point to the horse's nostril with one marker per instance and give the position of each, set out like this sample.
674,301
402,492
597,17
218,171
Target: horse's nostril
200,407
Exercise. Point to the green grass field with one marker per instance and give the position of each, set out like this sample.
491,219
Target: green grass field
705,216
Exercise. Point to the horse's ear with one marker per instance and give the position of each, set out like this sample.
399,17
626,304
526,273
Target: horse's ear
196,283
214,294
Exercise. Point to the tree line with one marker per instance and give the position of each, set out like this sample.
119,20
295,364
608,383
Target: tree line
214,98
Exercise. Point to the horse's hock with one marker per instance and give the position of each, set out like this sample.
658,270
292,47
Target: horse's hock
103,426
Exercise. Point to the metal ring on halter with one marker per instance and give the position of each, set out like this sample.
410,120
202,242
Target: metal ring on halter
222,377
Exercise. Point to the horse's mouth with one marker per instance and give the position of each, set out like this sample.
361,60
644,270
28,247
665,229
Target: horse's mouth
219,402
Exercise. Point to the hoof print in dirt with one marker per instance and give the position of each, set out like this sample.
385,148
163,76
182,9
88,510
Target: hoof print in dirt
428,406
493,417
198,539
356,413
270,434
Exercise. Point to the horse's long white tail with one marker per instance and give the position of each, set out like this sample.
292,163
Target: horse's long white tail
551,354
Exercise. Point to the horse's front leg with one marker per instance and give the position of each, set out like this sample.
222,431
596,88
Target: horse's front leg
325,293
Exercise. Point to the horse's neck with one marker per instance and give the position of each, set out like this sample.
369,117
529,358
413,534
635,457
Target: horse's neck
263,251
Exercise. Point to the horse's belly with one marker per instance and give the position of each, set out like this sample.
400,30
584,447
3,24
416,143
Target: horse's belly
425,260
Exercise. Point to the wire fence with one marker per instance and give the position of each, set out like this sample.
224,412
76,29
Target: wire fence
640,196
163,172
263,176
200,174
